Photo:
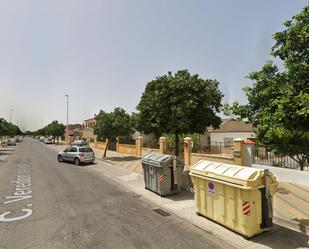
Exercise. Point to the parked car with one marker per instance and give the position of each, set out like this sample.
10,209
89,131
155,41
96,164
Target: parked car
11,142
19,139
79,143
77,154
48,141
41,139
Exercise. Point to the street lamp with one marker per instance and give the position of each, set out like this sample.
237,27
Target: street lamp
67,130
11,110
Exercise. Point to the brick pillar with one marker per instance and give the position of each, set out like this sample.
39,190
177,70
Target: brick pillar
187,152
248,148
139,145
95,142
162,145
117,144
239,151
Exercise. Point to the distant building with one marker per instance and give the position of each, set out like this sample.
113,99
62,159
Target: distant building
89,123
74,132
205,139
232,129
88,132
227,132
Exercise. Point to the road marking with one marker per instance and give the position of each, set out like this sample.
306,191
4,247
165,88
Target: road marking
22,192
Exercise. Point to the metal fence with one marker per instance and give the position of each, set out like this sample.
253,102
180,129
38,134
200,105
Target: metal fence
221,148
272,158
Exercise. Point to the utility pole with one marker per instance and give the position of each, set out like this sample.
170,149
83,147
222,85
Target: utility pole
67,129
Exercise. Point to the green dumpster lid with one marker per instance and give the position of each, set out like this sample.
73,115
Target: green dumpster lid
240,175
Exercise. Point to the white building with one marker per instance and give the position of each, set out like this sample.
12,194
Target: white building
231,129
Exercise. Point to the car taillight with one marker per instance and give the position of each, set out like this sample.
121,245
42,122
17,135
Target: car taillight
81,154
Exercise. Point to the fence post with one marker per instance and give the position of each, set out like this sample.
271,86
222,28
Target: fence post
248,148
117,144
139,145
239,151
162,145
187,152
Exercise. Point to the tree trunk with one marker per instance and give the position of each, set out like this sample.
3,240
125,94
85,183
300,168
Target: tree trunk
106,147
301,164
176,143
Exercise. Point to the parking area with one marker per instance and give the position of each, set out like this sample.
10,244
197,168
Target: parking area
5,152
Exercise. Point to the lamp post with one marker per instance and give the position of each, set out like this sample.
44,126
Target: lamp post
11,110
67,129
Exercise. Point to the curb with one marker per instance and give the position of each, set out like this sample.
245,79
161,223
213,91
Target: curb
293,225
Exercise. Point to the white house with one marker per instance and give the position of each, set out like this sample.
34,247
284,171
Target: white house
231,129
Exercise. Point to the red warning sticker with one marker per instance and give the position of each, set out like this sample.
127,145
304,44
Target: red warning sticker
246,207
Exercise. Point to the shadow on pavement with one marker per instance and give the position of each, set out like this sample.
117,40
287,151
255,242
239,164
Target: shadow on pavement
6,152
81,165
121,159
281,237
182,196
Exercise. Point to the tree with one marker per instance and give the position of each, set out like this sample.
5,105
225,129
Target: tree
110,125
2,128
8,129
55,129
179,103
278,102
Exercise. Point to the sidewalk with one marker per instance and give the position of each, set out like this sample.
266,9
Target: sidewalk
183,206
291,202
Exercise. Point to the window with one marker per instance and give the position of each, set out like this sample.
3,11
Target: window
85,149
73,149
228,141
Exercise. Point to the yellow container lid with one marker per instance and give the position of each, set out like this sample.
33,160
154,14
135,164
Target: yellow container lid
231,174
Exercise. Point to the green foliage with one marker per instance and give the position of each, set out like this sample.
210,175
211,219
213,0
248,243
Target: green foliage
113,124
41,132
179,104
195,138
55,129
8,129
279,101
135,121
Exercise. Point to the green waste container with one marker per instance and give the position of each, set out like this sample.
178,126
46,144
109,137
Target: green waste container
159,175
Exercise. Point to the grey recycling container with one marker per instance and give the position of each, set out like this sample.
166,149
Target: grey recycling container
159,175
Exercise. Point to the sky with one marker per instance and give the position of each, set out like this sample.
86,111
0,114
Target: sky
102,53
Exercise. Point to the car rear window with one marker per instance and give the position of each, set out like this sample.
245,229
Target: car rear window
85,149
79,142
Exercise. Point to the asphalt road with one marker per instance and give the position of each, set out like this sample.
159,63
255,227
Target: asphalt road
46,204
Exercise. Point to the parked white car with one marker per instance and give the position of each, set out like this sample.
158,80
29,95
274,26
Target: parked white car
11,142
48,141
77,154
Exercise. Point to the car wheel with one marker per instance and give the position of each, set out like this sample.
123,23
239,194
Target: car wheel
60,159
77,161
